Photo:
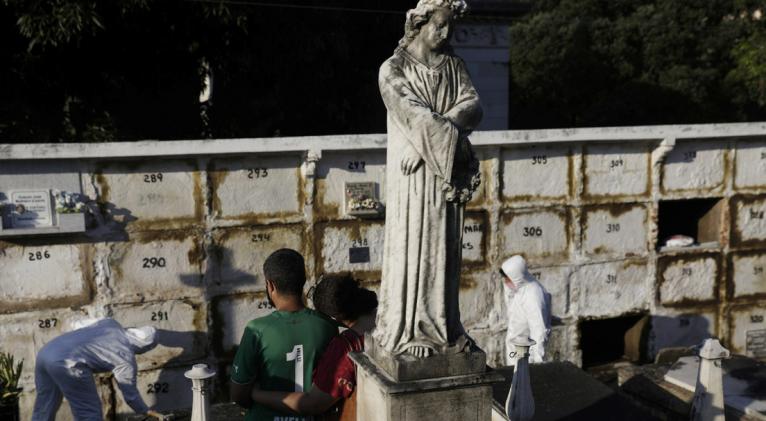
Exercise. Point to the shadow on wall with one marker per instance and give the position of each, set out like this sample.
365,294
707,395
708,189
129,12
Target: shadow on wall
639,337
170,392
681,331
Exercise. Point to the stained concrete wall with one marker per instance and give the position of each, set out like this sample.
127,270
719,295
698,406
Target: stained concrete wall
183,251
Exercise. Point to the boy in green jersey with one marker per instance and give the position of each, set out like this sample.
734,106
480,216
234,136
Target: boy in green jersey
279,351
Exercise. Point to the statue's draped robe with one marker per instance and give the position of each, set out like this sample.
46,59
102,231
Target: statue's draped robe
430,111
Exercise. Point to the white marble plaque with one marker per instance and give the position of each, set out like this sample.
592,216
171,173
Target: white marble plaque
31,209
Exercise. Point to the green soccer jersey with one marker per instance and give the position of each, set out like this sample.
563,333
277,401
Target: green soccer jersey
279,352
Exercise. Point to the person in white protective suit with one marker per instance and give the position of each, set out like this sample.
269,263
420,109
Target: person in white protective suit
65,367
528,305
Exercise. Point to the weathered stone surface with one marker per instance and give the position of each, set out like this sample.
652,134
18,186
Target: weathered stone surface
750,164
694,165
46,276
548,166
181,326
405,367
480,297
244,189
232,313
151,194
616,169
748,331
750,222
352,248
153,267
335,169
459,397
24,334
555,280
611,289
688,279
474,238
540,236
240,253
619,231
749,274
162,390
675,328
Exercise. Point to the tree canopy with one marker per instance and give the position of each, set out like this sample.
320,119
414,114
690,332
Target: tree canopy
88,70
629,62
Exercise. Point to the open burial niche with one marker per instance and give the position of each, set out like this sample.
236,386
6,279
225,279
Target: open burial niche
606,341
689,223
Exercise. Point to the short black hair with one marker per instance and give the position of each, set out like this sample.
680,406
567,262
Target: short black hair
287,270
341,296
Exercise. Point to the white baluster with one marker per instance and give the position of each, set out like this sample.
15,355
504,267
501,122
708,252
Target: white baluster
708,403
520,404
199,375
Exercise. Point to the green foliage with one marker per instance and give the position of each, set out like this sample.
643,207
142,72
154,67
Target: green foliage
622,62
94,71
10,373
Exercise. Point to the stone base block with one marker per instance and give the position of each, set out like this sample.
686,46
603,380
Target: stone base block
406,367
381,398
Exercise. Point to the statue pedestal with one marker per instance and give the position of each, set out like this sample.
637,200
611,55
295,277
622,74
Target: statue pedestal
379,397
406,367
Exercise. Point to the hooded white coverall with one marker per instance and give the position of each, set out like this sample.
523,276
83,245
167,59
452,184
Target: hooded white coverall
65,366
528,307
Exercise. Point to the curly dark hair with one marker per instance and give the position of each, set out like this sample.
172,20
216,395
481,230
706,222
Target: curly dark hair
341,297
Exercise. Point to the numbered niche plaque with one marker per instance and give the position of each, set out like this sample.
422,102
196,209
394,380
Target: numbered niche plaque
240,253
536,173
34,276
337,171
748,331
257,188
750,164
172,315
694,166
749,274
151,194
156,266
163,390
610,289
615,230
474,234
540,236
616,170
352,248
750,223
232,313
688,278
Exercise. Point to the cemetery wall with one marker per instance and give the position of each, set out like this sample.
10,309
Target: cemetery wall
175,234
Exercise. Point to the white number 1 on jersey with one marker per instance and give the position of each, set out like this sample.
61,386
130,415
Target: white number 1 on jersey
297,356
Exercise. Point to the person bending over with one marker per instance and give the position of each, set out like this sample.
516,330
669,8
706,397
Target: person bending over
341,298
279,351
65,367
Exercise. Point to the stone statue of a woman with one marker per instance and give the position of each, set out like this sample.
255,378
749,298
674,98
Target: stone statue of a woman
431,173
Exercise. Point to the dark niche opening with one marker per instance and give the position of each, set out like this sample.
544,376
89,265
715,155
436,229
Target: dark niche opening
699,219
606,341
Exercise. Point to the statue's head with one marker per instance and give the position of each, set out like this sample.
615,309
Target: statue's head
431,22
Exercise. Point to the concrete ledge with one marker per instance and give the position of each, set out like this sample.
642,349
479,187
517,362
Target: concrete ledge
154,148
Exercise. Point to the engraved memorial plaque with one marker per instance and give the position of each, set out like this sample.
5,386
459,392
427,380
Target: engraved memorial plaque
31,209
361,199
756,343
